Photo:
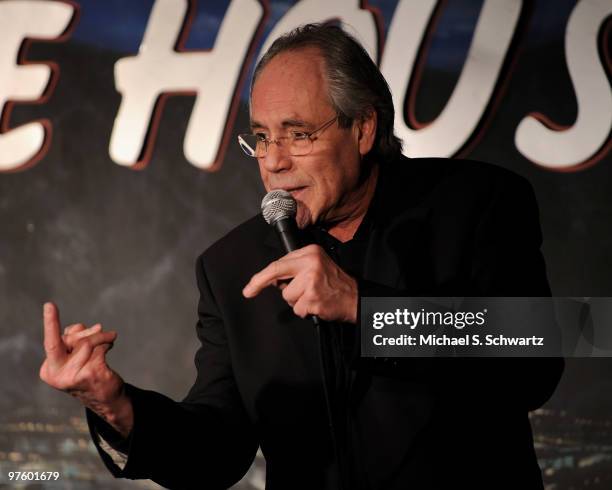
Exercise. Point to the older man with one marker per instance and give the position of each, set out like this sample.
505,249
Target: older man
374,224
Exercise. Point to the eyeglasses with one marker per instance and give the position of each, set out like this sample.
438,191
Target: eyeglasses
298,143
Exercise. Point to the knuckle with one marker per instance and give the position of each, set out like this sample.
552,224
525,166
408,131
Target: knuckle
298,311
107,375
87,373
312,275
318,253
84,346
275,267
313,248
51,348
316,263
312,295
74,327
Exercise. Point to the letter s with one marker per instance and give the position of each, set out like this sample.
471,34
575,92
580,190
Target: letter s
552,146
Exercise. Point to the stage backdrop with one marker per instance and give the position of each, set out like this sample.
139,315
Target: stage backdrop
119,165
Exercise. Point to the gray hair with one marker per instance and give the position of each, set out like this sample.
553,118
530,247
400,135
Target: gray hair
355,84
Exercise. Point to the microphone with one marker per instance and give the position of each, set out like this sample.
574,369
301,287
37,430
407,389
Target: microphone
279,208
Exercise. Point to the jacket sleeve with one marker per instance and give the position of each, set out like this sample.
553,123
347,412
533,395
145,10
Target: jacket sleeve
505,261
205,441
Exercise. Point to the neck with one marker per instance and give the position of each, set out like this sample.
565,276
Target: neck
345,229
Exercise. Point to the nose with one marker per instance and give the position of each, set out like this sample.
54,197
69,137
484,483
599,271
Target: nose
277,158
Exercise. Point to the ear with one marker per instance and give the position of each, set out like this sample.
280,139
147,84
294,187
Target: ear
367,131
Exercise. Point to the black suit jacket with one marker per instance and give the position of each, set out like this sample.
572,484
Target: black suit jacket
439,227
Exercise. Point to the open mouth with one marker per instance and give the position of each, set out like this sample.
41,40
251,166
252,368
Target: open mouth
294,191
297,191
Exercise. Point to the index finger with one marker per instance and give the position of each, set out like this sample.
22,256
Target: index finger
54,347
275,271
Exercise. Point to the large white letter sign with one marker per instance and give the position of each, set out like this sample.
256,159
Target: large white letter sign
566,149
445,136
360,22
160,69
23,146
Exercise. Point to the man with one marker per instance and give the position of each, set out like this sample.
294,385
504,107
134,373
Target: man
374,224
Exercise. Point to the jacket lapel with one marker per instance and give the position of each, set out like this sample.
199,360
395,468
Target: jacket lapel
397,247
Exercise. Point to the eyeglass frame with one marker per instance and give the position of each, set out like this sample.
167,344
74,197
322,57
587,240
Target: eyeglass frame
267,141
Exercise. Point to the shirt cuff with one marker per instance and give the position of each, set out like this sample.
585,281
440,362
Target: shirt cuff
119,458
109,440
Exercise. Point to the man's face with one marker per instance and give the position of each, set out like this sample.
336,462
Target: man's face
290,95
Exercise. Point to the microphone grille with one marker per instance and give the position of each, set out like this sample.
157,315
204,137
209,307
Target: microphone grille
278,204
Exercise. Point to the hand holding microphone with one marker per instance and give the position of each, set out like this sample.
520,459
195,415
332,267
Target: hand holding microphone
317,286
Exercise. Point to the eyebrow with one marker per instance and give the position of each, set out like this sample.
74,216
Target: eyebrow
287,123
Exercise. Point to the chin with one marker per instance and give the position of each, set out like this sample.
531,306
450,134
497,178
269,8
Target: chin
303,217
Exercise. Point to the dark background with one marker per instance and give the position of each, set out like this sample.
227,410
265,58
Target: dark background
113,245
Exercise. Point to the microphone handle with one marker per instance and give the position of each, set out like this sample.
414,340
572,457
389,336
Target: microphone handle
287,232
